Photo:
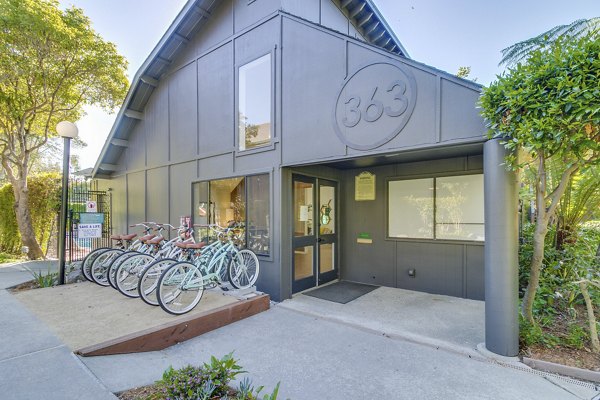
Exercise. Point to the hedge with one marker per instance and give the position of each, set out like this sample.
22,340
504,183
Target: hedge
44,205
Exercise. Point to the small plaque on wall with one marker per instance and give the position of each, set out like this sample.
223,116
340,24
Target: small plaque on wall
364,186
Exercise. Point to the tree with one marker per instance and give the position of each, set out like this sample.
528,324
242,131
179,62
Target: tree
519,52
548,107
52,63
464,72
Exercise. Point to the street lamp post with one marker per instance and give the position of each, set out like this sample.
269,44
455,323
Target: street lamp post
68,131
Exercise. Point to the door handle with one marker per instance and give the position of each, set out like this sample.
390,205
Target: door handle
319,240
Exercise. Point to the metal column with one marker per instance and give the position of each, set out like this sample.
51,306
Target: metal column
501,252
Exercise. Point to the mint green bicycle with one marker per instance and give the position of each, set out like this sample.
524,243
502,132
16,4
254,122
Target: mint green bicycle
181,285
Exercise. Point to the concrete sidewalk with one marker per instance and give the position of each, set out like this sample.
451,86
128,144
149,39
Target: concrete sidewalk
314,358
316,349
12,274
35,364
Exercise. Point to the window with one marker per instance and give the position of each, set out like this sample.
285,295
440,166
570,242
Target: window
459,207
449,208
411,208
243,200
255,103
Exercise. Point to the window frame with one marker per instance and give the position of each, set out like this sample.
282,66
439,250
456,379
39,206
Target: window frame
434,219
272,139
269,174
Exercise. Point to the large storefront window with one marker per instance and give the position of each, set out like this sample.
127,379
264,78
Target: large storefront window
255,103
243,201
449,208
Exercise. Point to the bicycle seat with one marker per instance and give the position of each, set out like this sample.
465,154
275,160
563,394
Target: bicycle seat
195,246
147,237
156,240
128,237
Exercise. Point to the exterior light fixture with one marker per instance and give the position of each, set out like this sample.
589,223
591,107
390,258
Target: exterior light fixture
68,131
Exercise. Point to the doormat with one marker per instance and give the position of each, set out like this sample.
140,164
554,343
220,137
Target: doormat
341,292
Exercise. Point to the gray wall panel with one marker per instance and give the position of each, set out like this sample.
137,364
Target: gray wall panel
438,267
181,177
311,80
215,101
218,29
136,151
157,194
460,117
247,14
215,167
432,167
257,42
307,9
262,160
370,263
136,198
475,272
441,267
183,114
475,162
157,134
421,127
119,203
333,18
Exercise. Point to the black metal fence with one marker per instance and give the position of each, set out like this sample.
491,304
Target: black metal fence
83,195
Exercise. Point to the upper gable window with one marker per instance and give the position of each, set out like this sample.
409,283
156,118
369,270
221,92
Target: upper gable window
255,103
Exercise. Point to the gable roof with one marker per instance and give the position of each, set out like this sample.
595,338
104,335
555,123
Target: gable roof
193,16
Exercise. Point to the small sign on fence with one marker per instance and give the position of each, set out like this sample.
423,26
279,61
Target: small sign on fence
89,231
91,206
91,218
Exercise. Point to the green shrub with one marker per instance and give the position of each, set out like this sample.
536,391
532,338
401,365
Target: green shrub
534,334
210,381
6,258
577,337
44,280
44,204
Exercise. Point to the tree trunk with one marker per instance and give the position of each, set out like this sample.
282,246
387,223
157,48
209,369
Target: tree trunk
24,220
539,238
591,317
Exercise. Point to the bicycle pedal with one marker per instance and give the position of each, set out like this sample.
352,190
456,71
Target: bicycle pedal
224,288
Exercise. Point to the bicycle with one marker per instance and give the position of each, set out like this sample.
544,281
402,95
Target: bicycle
128,272
123,242
149,275
181,286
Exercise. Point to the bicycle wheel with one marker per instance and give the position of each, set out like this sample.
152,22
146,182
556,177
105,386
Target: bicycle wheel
86,264
243,269
180,288
112,268
128,274
149,280
100,266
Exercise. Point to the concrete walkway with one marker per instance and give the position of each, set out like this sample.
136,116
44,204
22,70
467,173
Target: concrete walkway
318,350
34,363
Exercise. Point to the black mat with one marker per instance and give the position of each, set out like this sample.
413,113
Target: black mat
341,292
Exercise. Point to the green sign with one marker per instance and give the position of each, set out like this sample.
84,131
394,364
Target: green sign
91,218
363,235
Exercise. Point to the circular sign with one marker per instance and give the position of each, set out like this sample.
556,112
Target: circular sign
373,105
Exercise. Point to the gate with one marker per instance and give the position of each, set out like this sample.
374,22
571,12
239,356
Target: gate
81,192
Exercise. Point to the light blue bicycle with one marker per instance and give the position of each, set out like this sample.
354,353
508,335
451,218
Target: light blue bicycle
181,285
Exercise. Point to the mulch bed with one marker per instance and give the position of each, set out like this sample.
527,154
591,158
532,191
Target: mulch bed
565,355
25,286
152,392
579,358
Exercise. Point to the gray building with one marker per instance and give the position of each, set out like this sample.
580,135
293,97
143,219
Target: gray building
306,121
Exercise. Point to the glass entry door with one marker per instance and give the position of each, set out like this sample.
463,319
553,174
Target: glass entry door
315,232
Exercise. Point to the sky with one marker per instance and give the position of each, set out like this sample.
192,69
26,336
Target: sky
441,33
